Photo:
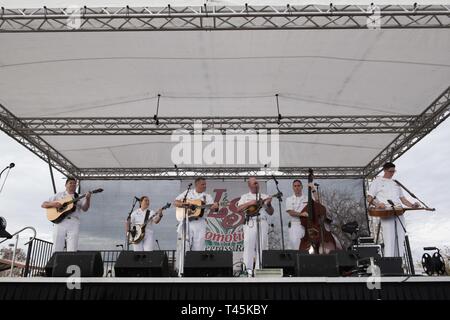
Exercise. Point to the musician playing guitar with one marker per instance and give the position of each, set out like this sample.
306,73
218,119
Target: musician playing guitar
196,225
143,215
382,191
67,230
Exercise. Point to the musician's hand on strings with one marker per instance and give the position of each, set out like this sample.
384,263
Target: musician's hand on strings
380,205
268,201
304,214
215,206
88,195
56,204
252,203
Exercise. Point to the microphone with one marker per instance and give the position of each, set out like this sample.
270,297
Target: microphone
12,165
391,203
190,185
157,242
137,199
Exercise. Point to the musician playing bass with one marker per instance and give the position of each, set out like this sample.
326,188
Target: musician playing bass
196,227
66,231
384,192
144,216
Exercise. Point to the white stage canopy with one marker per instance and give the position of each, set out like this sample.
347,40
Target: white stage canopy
344,100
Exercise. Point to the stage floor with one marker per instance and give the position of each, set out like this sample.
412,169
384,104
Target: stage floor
183,289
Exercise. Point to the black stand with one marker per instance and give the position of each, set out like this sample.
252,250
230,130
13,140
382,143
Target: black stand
407,246
410,193
135,200
258,236
184,231
280,199
8,167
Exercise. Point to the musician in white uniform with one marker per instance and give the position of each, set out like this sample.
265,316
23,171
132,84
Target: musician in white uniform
138,218
251,244
294,206
196,226
66,231
383,190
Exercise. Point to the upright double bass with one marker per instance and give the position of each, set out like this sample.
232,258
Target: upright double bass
316,236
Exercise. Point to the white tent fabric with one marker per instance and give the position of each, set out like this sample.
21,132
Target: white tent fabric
222,73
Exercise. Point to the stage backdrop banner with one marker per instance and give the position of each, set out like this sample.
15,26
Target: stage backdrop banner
224,228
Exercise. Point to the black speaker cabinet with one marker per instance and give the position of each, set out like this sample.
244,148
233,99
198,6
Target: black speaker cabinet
347,260
281,259
317,265
89,262
208,264
142,264
390,266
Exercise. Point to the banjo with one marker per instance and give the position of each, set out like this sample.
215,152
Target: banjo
137,231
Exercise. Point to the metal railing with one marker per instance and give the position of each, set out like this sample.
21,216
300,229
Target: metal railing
39,252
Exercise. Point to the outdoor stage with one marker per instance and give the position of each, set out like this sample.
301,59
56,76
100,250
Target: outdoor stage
227,289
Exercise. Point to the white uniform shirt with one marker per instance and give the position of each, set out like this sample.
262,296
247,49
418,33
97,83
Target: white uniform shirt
252,196
79,204
194,195
296,204
138,217
383,189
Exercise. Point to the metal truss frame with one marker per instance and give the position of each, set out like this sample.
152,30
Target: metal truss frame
222,125
215,173
214,17
26,132
435,114
12,126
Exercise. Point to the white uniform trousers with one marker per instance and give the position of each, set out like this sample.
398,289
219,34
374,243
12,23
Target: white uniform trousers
251,242
66,232
393,248
195,234
146,244
296,233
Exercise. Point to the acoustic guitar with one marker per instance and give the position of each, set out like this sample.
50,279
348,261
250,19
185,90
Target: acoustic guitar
195,209
56,215
137,231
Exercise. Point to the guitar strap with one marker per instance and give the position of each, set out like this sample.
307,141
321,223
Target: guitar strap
147,214
74,205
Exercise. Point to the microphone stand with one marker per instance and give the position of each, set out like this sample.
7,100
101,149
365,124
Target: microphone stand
406,244
258,234
410,193
183,234
128,221
157,242
280,199
8,167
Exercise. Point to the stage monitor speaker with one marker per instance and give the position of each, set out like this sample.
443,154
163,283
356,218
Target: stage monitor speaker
317,265
142,264
390,266
281,259
89,262
208,264
347,260
367,251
